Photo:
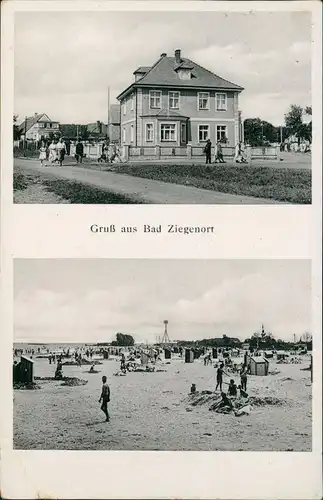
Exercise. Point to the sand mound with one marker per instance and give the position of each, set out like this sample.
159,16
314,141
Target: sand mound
30,386
267,401
83,362
73,381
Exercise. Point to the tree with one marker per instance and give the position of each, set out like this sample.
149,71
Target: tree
124,340
16,131
258,132
294,122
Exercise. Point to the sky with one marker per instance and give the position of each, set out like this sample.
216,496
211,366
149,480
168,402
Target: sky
90,300
66,61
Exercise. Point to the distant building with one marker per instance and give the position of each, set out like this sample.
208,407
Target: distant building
114,123
175,102
37,127
97,130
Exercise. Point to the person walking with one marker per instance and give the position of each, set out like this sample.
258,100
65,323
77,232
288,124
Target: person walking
219,153
42,153
105,398
61,151
52,157
79,149
207,151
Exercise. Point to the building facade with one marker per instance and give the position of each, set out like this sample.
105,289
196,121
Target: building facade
38,126
177,102
114,123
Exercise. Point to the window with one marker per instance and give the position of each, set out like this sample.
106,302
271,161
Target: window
124,136
221,132
149,132
203,100
183,133
155,99
131,103
131,133
221,102
124,108
168,132
173,100
203,133
50,125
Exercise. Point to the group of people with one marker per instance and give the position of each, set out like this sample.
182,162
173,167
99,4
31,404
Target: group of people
54,153
239,153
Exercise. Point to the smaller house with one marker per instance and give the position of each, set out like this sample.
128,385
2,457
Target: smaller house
36,127
23,371
257,365
114,126
97,130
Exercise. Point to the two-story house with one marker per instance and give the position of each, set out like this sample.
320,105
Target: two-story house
38,126
176,102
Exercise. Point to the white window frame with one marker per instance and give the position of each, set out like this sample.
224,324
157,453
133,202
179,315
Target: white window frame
124,135
124,108
216,131
216,101
150,98
208,101
153,132
169,98
198,132
183,125
131,103
132,135
160,131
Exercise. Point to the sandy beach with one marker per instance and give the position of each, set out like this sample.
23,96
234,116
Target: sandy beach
150,411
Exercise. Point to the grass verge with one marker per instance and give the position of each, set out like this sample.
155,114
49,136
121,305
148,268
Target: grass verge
280,184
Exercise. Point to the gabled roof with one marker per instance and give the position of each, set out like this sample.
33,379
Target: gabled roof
165,73
31,120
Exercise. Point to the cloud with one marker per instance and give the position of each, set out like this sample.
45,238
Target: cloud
64,63
236,307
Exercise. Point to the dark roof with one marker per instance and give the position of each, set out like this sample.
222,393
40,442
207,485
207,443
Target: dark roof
163,73
114,113
166,113
31,120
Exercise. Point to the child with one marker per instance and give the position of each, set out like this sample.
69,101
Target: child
193,388
42,153
232,388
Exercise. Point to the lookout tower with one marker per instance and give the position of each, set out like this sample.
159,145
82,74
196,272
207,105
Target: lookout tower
165,338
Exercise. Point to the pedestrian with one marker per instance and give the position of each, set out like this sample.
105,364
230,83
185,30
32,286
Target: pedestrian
105,398
219,155
79,149
207,151
42,153
52,157
61,151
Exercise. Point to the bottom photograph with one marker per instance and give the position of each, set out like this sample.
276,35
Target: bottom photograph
188,355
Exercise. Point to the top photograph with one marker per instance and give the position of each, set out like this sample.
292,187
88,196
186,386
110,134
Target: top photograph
161,107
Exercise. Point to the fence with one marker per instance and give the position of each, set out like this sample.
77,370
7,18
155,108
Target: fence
132,153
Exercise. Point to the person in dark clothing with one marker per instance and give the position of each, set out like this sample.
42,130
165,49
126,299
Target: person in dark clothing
232,388
193,388
219,377
243,380
79,149
105,398
207,151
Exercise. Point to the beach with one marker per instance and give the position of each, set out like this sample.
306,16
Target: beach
151,411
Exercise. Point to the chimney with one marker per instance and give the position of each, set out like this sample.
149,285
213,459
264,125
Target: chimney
163,54
35,114
178,56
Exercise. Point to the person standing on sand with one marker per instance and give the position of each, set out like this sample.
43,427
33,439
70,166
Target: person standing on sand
105,398
219,377
243,379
